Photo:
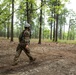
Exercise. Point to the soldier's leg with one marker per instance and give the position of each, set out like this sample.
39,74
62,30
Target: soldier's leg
27,51
18,52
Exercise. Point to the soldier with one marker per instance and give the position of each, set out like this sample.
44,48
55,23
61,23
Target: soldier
24,40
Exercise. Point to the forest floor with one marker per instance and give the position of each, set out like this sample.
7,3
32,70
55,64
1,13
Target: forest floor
51,59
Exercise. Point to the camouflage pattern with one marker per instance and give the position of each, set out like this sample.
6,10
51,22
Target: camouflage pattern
19,49
24,40
27,37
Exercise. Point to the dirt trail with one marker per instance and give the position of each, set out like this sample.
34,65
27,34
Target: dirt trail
52,59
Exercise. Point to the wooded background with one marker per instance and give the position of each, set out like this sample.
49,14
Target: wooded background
48,19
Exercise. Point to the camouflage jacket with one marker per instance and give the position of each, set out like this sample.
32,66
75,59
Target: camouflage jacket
24,37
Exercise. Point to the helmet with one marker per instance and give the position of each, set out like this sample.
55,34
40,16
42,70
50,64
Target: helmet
27,25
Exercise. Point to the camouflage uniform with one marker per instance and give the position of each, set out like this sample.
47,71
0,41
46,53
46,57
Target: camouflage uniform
24,40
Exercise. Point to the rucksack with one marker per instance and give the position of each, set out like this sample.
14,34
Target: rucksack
21,37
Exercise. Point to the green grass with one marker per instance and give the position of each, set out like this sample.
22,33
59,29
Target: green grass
59,41
67,41
44,40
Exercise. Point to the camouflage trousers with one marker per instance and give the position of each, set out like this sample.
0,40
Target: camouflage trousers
20,47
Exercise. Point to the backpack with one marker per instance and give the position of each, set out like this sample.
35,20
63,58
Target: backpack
21,37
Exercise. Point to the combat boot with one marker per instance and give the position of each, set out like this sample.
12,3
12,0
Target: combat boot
31,61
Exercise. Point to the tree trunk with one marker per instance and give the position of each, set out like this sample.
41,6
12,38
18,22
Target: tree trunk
27,10
8,24
40,29
56,28
8,30
60,34
57,15
29,7
12,20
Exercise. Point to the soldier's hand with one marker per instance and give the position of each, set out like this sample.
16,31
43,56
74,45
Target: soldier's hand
26,46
